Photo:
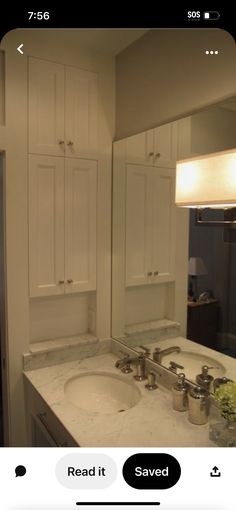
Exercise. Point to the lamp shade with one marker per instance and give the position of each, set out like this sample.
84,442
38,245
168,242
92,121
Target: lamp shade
207,181
196,266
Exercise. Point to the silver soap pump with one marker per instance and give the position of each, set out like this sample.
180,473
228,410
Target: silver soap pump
204,379
180,394
199,404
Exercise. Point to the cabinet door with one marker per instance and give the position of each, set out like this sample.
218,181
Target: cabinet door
46,108
80,224
163,225
46,225
139,148
138,224
165,143
81,107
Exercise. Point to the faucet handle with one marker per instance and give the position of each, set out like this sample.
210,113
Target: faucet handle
173,366
205,369
146,349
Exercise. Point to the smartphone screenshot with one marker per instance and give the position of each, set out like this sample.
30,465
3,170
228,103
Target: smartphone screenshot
117,259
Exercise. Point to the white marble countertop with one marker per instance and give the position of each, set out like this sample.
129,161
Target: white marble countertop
152,422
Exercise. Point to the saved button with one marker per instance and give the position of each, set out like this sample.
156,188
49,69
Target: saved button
151,471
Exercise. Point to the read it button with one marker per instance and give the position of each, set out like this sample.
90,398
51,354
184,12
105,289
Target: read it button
151,471
86,471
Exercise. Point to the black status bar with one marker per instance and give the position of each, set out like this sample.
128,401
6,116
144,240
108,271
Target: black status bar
165,16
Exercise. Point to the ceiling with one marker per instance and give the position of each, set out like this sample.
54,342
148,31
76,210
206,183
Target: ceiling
107,41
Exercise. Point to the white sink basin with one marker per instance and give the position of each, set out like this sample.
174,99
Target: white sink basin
193,362
101,392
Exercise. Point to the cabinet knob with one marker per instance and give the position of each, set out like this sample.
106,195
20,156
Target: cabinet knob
149,273
70,143
156,273
61,282
61,142
69,281
151,154
157,155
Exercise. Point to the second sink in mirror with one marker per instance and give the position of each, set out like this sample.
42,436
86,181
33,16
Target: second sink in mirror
191,361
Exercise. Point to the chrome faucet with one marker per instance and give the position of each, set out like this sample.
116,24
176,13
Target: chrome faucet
158,354
140,363
140,367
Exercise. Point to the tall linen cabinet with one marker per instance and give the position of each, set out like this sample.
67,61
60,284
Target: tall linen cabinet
63,161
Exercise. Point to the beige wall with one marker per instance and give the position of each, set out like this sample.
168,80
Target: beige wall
213,130
166,75
2,88
59,46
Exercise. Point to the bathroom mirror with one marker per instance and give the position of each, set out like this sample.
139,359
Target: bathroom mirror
155,289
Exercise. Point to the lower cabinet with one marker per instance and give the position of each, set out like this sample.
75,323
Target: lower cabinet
203,322
150,225
62,225
43,428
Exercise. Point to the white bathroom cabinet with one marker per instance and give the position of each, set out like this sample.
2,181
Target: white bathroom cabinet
62,225
154,147
63,110
150,225
44,429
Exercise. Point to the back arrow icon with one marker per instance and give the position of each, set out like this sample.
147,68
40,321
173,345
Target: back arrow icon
19,49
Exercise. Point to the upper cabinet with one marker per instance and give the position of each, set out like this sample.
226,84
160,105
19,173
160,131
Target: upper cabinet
150,160
63,110
164,145
63,147
46,108
81,112
154,147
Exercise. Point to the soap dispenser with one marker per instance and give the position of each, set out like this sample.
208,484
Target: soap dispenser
204,379
199,404
180,394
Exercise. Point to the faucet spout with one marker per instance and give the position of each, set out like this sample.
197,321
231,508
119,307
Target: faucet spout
159,354
140,363
120,363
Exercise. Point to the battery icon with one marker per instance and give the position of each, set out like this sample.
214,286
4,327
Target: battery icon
212,15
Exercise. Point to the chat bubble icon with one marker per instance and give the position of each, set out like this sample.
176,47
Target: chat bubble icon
20,471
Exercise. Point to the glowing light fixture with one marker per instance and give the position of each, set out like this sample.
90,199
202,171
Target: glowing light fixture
207,181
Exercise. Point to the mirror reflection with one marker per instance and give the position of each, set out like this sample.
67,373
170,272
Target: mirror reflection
173,279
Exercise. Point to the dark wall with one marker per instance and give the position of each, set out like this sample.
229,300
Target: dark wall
220,260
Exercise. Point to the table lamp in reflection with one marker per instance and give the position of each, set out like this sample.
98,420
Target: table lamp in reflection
196,267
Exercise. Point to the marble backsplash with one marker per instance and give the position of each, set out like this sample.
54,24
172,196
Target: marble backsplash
55,352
